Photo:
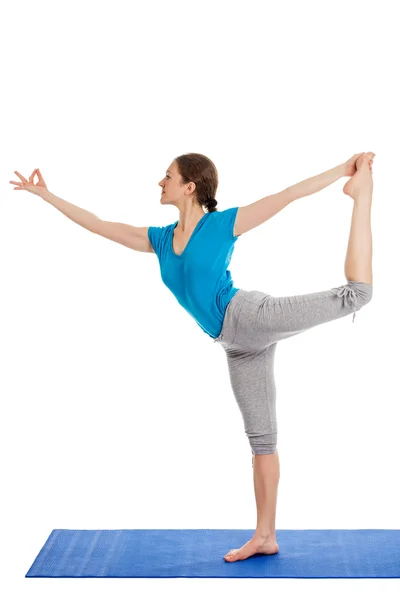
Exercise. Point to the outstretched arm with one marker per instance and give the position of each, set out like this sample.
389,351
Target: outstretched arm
255,214
317,183
82,217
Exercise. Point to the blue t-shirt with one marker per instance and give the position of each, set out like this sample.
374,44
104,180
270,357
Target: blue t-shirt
199,277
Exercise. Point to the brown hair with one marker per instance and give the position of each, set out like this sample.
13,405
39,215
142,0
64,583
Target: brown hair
202,171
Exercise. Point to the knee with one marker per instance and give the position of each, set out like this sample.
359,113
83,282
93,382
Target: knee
364,292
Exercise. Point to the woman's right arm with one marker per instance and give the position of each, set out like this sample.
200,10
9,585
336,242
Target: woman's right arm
135,238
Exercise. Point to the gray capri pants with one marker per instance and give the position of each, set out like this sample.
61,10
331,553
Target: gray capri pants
254,323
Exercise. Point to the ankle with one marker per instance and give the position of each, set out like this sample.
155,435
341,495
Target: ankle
264,534
363,195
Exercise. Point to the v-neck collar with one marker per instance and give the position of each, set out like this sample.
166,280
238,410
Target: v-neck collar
189,240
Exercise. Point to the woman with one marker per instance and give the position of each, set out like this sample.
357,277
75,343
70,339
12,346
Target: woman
194,254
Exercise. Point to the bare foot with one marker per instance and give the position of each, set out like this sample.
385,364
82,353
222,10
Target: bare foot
253,546
362,178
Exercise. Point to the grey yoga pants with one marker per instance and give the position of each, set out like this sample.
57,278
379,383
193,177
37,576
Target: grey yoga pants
254,323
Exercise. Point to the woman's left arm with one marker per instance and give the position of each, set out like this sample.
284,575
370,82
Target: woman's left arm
251,216
315,184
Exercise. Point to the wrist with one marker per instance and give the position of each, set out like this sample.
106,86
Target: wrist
45,194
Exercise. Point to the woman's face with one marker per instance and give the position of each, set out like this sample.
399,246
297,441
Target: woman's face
172,190
168,183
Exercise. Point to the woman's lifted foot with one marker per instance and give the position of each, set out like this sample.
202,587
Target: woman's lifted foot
363,176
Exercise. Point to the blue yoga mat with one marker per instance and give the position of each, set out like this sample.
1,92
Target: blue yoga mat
308,553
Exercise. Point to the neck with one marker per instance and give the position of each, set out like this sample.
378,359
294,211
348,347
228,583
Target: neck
189,218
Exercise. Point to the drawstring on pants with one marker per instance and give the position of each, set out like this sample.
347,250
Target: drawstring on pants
349,295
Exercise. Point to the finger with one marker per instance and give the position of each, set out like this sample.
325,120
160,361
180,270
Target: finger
32,176
20,176
358,156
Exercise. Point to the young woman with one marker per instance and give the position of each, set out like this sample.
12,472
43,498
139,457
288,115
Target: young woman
194,254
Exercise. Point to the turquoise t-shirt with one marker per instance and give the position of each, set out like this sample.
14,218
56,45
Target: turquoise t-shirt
199,277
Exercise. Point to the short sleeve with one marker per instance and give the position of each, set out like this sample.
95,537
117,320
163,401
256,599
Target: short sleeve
227,220
157,237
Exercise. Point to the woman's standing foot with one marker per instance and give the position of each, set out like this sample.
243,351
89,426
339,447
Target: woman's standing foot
253,546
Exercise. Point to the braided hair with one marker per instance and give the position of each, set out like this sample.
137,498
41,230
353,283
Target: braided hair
211,204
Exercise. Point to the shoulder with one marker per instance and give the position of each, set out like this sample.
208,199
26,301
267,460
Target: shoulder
159,234
226,220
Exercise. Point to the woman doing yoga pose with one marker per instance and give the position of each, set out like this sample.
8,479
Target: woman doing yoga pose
194,254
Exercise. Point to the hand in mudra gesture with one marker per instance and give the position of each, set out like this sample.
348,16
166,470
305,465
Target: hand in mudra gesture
30,186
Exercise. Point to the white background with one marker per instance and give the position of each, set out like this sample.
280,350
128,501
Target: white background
116,408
